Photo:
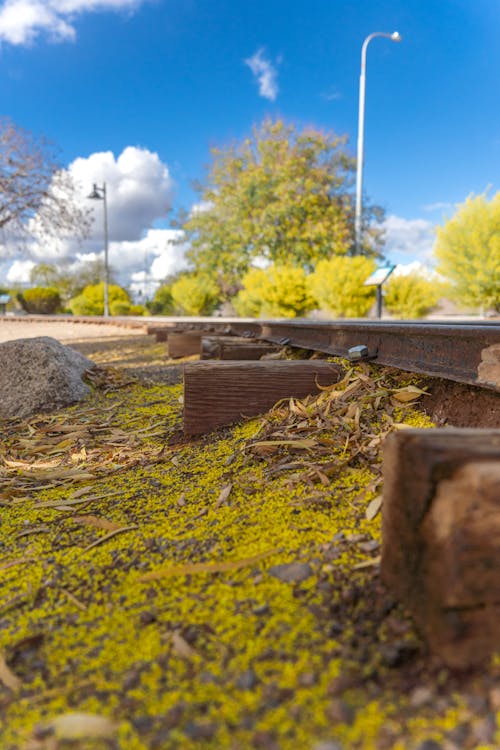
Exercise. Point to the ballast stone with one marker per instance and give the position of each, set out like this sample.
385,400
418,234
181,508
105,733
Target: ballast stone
39,375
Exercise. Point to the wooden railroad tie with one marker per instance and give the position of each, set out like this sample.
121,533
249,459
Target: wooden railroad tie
441,537
219,393
235,348
184,343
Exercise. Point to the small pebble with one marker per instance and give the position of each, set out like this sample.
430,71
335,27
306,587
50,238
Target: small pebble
247,680
421,696
327,745
429,745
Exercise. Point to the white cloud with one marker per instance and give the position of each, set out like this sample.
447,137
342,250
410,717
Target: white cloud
19,272
139,193
265,73
22,21
407,240
138,188
439,206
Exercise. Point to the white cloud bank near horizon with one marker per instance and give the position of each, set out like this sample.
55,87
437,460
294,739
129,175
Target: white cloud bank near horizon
139,192
409,240
22,21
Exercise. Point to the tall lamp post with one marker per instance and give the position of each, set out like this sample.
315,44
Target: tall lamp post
99,194
395,37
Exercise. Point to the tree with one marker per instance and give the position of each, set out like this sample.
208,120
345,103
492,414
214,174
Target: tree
338,286
36,195
69,281
40,300
411,295
195,294
91,300
282,195
278,291
468,252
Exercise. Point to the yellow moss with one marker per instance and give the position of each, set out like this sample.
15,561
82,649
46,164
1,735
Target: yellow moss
108,638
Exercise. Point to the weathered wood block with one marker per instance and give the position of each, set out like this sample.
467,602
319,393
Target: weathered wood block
441,537
184,344
219,393
234,348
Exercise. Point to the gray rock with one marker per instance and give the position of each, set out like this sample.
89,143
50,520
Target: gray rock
40,374
328,745
291,572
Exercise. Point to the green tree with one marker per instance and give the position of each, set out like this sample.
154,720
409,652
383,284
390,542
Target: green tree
278,291
69,281
195,294
91,300
40,300
411,295
468,252
338,286
282,195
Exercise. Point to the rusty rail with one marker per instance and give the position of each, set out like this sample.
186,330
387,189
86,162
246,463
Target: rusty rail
450,351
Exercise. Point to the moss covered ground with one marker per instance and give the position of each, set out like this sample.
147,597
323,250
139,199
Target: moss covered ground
220,593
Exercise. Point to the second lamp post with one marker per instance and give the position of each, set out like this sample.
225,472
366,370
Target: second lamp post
99,194
395,37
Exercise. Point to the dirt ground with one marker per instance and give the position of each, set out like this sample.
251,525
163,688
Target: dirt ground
140,604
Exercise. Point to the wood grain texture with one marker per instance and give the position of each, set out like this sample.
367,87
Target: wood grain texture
441,537
184,344
234,348
219,393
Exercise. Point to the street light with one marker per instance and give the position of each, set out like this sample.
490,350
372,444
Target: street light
99,194
394,37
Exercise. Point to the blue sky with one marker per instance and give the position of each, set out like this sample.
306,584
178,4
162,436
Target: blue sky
164,80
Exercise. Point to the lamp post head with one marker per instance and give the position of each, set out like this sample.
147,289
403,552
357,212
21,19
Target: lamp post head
95,195
396,36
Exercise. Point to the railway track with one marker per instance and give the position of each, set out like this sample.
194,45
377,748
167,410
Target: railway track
466,352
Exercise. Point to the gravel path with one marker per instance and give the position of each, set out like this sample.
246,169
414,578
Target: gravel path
64,331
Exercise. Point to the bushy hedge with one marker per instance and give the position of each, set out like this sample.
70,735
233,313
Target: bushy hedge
91,300
275,292
40,300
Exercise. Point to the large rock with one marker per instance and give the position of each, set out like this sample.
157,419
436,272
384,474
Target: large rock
40,374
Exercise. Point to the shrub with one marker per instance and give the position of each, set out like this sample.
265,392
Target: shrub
412,295
338,286
91,300
195,295
162,303
277,291
40,300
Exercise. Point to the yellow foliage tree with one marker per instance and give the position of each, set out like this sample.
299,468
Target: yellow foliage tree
277,291
468,252
411,295
194,294
338,286
282,195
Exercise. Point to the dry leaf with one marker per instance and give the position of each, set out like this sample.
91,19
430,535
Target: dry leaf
75,726
196,568
409,393
97,523
7,676
373,508
368,563
109,536
180,646
224,494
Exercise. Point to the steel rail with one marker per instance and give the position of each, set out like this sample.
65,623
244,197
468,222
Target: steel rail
450,351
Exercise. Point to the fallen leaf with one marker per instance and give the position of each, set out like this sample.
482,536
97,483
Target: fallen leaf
7,676
109,536
368,563
409,393
224,494
180,646
373,508
97,523
77,725
196,568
